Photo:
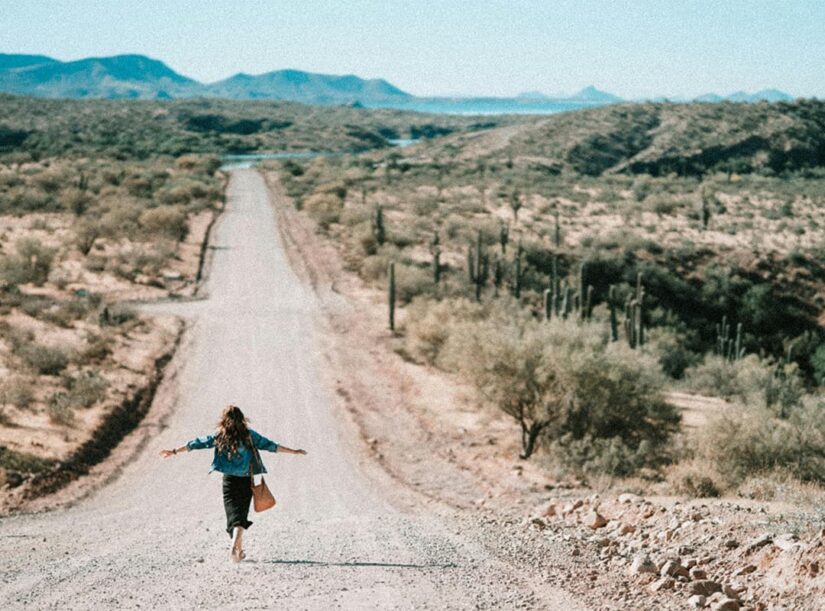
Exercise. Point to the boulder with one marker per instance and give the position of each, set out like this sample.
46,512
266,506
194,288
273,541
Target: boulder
594,520
726,604
663,583
705,587
642,564
697,601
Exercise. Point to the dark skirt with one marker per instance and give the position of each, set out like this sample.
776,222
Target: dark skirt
237,494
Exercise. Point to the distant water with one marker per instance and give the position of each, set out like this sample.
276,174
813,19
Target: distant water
489,106
242,161
247,160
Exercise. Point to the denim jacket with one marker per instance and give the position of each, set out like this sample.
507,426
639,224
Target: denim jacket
238,464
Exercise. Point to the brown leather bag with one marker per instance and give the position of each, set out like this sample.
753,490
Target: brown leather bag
262,498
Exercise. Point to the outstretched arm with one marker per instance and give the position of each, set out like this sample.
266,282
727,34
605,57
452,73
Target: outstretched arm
173,451
199,443
262,443
290,450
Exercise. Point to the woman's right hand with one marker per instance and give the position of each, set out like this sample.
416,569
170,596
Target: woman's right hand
167,453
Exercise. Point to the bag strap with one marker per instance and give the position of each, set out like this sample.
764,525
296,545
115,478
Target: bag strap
255,454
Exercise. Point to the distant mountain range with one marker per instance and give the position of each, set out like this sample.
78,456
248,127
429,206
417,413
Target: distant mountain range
764,95
138,76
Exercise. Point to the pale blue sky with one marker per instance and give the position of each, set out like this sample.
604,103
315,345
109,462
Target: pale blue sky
481,47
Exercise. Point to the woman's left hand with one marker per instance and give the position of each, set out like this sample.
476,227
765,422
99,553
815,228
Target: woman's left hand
167,453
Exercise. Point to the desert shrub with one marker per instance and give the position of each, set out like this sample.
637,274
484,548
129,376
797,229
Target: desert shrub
617,420
506,364
175,195
59,409
45,360
753,440
674,356
96,348
694,479
168,221
146,259
48,181
86,389
17,391
122,218
32,263
117,314
748,380
817,360
428,323
597,405
75,200
85,234
412,281
138,185
325,208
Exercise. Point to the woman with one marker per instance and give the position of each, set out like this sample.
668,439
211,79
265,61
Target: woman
235,453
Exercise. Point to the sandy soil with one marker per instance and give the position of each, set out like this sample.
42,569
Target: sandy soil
134,347
344,534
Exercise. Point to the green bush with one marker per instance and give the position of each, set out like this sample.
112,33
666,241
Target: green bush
817,360
749,380
753,440
597,405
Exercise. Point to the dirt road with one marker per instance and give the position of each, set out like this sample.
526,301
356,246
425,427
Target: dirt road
341,537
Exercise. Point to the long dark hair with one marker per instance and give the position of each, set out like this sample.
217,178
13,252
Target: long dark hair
233,429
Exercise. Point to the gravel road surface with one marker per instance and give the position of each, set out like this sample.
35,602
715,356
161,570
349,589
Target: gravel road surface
339,538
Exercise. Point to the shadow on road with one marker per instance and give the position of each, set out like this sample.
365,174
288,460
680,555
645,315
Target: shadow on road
395,565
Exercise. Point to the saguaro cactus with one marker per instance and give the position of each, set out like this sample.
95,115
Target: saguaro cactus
558,228
435,250
391,294
515,204
588,303
548,304
638,313
727,347
504,236
518,272
629,330
565,301
479,267
498,274
706,197
614,323
555,283
378,230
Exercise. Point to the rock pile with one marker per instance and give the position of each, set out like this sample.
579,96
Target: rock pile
720,557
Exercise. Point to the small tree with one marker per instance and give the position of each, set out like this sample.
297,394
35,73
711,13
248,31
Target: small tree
508,368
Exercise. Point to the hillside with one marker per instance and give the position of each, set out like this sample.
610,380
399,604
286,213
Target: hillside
143,128
306,87
122,76
658,139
